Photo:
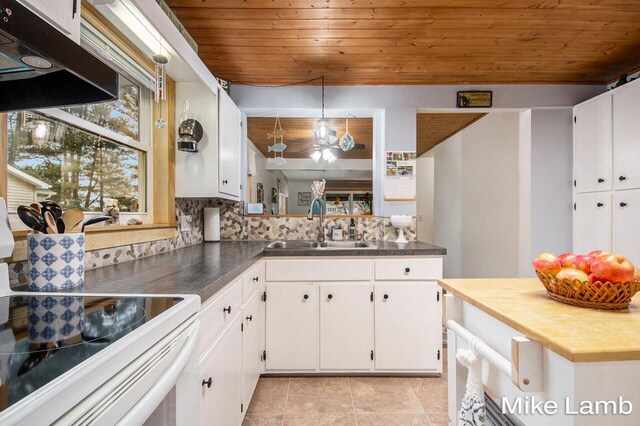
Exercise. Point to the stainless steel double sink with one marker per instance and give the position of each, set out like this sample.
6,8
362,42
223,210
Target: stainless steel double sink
315,245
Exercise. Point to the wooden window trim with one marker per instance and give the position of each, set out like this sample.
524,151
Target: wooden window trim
160,170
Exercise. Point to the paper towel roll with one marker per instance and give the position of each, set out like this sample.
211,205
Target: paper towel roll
211,224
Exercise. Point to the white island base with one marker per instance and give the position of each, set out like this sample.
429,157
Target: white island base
588,390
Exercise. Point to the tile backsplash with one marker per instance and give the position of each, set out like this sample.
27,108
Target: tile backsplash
233,226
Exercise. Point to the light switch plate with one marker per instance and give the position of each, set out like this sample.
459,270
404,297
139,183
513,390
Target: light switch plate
185,223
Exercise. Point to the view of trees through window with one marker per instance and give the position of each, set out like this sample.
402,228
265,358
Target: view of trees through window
77,168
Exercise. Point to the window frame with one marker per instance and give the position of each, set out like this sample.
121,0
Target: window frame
159,214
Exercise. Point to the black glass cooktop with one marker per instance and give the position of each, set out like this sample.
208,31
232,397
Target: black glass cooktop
42,337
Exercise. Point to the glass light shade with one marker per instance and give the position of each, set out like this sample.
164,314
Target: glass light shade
326,154
332,158
316,155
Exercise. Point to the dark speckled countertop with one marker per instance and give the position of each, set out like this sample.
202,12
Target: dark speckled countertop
204,269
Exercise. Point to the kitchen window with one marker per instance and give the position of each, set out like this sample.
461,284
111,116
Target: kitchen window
84,156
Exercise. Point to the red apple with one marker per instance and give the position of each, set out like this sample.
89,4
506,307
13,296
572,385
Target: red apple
566,260
547,263
636,274
583,262
613,268
597,253
572,274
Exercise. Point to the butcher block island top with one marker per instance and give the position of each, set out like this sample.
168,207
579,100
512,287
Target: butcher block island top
577,334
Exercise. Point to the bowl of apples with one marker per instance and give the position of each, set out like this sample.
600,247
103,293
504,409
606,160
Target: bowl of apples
599,280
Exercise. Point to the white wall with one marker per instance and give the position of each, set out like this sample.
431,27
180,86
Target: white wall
296,186
266,177
503,192
398,106
425,197
551,180
477,198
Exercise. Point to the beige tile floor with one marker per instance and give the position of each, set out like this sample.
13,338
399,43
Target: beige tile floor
364,401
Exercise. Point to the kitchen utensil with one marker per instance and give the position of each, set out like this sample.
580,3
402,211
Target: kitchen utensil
53,207
51,222
60,226
37,207
94,220
32,218
72,218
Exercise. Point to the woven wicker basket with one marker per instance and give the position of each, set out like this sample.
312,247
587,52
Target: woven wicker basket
596,295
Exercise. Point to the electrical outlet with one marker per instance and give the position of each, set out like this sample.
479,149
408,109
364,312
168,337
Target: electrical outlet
185,223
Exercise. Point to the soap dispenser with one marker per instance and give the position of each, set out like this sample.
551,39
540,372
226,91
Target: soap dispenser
352,229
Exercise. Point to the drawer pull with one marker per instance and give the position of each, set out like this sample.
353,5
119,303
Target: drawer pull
227,309
208,383
599,204
407,270
224,182
255,279
250,318
623,204
330,296
600,180
306,296
386,296
621,178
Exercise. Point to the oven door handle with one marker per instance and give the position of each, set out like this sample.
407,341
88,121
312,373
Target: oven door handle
152,399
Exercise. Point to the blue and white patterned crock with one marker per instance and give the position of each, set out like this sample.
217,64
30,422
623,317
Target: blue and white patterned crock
55,261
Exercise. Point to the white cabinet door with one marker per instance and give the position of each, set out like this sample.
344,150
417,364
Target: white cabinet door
222,368
292,326
593,145
592,222
64,15
230,145
626,136
251,349
346,326
408,326
626,224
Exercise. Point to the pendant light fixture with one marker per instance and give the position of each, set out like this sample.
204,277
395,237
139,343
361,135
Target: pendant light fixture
323,132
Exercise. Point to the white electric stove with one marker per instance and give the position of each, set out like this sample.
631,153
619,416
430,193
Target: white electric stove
95,359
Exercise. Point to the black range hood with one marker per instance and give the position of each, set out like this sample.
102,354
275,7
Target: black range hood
40,67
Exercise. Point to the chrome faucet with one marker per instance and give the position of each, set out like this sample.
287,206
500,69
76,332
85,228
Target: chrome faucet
310,217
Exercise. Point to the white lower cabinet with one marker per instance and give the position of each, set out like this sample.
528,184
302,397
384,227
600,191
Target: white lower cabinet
592,222
252,348
346,326
626,224
221,373
332,319
292,326
408,326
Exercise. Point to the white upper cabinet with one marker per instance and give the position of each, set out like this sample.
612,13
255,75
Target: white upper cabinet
230,145
593,145
215,170
64,15
626,136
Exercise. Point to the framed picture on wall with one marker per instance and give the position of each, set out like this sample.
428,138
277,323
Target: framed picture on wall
304,198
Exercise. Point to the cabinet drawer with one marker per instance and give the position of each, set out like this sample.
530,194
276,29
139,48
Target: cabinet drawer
318,270
220,311
412,269
252,280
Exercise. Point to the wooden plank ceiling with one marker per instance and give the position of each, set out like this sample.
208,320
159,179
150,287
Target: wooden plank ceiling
435,128
415,41
299,135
